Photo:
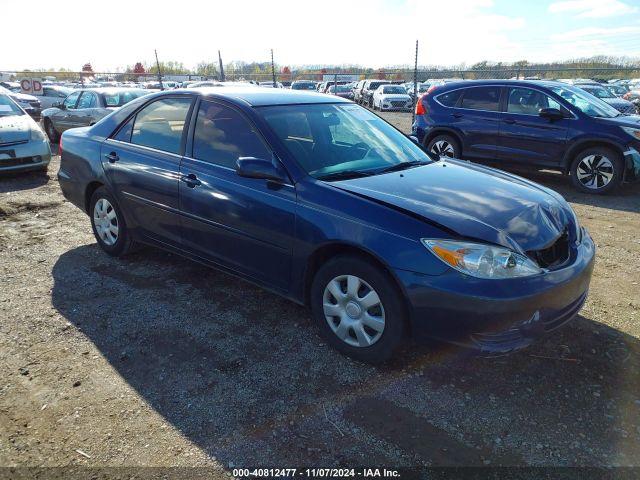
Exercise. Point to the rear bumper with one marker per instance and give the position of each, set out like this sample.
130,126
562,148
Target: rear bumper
498,317
27,156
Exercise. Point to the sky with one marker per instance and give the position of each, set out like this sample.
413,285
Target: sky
376,33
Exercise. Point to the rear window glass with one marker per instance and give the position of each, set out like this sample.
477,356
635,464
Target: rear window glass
481,98
449,99
160,124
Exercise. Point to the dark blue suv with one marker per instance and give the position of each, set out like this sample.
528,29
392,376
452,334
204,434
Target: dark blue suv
539,124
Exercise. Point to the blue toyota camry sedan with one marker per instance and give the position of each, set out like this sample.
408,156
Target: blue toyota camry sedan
323,202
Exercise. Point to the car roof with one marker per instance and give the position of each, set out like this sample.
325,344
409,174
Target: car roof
110,90
259,97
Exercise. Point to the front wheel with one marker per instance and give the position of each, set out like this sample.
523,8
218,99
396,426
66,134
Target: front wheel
597,170
358,309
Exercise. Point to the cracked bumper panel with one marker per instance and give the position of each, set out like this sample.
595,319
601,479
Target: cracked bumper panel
632,165
498,316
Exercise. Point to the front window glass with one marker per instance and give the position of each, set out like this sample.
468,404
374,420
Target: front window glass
222,136
160,124
87,100
394,90
340,138
529,102
70,101
8,107
120,98
586,103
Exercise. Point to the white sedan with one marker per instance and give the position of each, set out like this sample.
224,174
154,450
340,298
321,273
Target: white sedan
391,97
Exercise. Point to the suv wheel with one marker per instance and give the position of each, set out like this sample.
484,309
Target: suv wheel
444,146
108,224
358,309
597,170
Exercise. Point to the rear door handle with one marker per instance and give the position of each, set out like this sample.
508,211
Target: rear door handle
509,121
112,157
456,115
191,180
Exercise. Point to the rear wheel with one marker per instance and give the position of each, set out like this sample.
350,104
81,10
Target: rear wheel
52,133
597,170
108,224
444,146
358,309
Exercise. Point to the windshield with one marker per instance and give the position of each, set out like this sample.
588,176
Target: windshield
118,99
8,107
585,102
599,92
329,139
394,90
340,89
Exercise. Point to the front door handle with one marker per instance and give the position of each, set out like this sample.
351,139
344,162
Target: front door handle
456,115
191,180
112,157
509,121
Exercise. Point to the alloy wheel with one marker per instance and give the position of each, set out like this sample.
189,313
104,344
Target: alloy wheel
105,221
353,310
595,171
443,148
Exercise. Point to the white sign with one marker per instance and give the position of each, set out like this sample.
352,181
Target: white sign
31,86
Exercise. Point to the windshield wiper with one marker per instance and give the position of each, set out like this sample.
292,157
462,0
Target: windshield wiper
343,175
401,166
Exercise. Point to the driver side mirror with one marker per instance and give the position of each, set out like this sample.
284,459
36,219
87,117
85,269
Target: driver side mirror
551,114
251,167
59,105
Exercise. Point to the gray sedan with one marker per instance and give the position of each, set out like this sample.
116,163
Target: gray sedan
23,146
83,108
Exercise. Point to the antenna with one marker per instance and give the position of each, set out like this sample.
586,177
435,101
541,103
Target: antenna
273,70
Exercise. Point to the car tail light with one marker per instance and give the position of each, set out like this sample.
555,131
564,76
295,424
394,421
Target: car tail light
420,108
60,147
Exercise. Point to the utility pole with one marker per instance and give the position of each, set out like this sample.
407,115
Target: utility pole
415,84
159,72
221,67
273,70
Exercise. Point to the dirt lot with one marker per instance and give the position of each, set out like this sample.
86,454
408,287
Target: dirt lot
154,360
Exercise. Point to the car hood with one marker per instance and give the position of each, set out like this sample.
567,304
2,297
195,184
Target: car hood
395,96
15,128
472,201
617,102
623,120
24,97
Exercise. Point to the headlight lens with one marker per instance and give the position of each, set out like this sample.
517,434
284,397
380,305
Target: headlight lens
482,261
634,132
37,135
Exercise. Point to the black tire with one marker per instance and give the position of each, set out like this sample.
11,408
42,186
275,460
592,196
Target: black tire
606,162
434,145
124,243
395,317
52,133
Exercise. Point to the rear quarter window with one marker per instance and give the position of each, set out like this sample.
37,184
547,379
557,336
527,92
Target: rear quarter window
449,99
481,98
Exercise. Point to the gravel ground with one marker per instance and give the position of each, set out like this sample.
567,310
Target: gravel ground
155,361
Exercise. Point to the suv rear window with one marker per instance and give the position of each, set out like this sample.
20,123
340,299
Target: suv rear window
481,98
449,99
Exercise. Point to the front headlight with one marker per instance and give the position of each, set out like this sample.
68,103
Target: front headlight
482,261
634,132
37,135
